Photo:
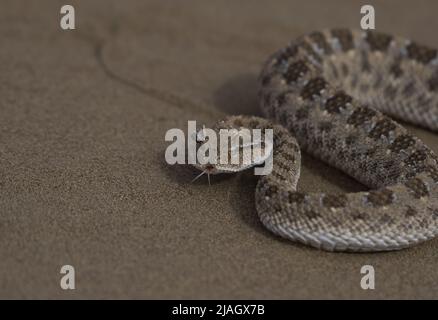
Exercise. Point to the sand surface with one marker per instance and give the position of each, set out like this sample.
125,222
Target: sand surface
83,179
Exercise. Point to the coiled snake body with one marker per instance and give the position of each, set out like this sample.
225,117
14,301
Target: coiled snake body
329,90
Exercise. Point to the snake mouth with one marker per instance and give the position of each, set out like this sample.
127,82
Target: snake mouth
209,168
206,169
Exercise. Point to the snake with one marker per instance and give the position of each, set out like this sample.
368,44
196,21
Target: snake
337,94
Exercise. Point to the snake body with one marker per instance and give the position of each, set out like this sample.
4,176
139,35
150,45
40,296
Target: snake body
330,93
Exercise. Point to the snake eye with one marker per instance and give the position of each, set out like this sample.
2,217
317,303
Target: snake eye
200,137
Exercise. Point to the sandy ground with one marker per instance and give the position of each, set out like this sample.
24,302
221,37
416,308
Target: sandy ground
83,179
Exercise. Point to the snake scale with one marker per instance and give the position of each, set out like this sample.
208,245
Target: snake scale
331,93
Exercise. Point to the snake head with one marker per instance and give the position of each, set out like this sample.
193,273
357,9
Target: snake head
229,147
